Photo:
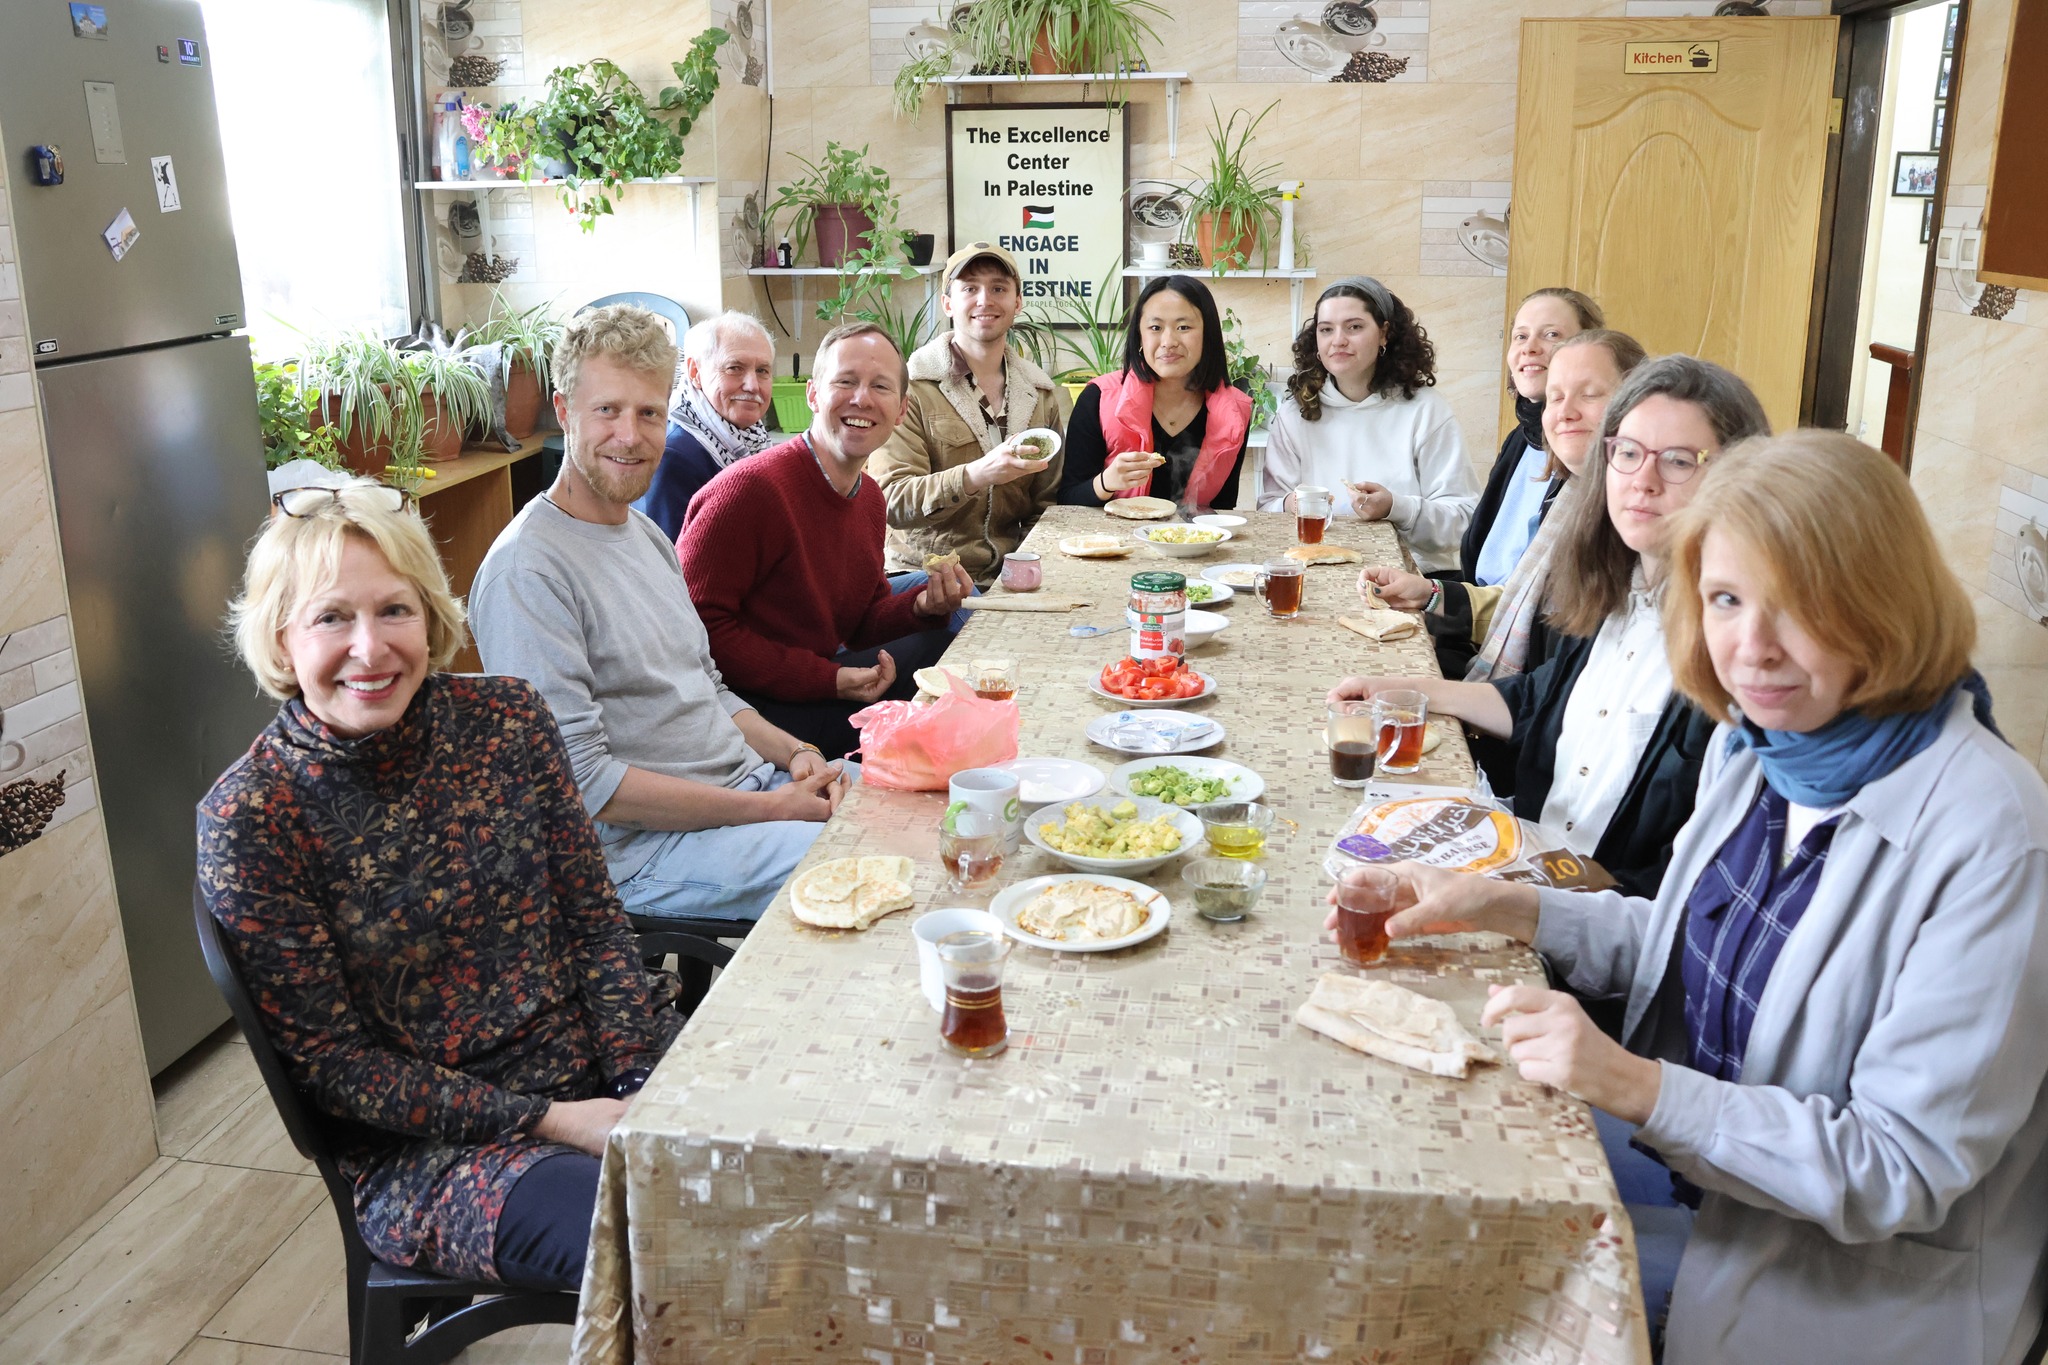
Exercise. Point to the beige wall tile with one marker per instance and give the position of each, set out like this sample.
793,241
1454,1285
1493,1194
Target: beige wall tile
1948,396
1311,131
299,1299
1362,227
1463,315
821,44
1480,40
1974,120
144,1284
1436,131
203,1090
75,1123
1958,488
1474,395
2013,367
31,575
62,955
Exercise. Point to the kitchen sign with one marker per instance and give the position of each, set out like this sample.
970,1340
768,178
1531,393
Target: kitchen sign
1046,182
1672,59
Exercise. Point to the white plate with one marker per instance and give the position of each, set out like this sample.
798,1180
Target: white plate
1190,828
1224,592
1204,734
1224,520
1214,573
1041,781
1245,785
1011,899
1204,626
1116,551
1208,690
1181,550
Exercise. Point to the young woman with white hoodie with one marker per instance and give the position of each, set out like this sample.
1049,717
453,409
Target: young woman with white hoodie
1362,419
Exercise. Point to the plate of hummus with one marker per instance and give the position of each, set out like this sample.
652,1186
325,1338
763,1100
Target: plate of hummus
1074,912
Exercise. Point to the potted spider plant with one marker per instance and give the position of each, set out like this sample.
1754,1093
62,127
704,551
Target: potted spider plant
361,392
1235,205
1060,37
845,199
528,336
452,400
1092,330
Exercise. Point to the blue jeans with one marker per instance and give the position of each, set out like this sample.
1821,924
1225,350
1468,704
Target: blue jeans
730,872
914,581
1662,1224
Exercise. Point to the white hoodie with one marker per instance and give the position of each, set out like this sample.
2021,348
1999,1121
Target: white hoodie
1409,446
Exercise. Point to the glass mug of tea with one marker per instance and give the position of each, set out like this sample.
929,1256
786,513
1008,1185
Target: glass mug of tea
971,848
1279,587
1402,721
972,963
1352,733
1367,897
1311,513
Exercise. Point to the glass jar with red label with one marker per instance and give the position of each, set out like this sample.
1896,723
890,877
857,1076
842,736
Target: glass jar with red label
1158,614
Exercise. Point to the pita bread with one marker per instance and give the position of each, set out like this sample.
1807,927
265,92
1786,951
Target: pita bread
933,563
851,893
1393,1023
1139,509
1380,623
931,682
1095,547
1325,554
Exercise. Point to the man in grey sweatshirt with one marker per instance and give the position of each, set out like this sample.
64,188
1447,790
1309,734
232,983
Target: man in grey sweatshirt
704,808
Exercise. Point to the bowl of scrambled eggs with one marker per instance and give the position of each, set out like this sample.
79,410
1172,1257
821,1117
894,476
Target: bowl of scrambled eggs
1128,835
1182,542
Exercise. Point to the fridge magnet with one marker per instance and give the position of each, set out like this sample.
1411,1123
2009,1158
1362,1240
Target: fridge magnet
165,176
89,21
121,234
188,52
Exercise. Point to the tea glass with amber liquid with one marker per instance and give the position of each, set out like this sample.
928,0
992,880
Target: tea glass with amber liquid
1311,513
1367,897
1352,733
972,963
1402,719
994,679
971,848
1279,587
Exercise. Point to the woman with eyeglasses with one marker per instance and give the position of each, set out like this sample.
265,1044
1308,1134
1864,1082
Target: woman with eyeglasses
412,890
1604,752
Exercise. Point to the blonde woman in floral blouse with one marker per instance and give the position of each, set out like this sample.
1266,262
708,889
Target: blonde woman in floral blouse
419,905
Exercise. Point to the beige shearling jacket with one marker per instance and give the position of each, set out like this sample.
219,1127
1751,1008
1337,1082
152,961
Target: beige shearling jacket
922,469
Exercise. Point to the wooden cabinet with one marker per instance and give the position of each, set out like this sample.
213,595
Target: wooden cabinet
466,504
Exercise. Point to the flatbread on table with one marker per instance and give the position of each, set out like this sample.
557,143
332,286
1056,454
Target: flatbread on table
1096,547
1381,623
851,893
1394,1024
1325,554
1139,509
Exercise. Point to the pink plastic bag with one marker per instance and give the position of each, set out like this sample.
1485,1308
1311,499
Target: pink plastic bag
919,748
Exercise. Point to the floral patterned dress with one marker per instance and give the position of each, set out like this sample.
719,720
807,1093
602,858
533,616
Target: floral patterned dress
424,920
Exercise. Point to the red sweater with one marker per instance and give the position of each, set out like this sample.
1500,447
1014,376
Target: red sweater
785,573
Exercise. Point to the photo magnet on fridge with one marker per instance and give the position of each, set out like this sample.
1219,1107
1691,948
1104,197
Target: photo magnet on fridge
89,21
165,177
121,234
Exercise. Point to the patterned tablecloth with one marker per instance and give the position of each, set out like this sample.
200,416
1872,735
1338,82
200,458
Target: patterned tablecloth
1164,1166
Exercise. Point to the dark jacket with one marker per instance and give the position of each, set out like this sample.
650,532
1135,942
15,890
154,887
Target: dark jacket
1451,629
1637,845
685,467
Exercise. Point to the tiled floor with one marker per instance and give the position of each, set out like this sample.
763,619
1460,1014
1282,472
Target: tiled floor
223,1252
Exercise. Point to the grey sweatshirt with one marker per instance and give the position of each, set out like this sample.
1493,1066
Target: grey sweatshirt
599,619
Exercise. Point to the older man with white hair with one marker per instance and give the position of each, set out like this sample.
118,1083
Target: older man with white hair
717,414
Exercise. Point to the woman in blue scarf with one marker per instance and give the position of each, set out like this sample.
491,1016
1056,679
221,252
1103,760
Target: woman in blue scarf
1832,1059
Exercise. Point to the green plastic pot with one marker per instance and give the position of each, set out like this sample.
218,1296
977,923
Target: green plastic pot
792,405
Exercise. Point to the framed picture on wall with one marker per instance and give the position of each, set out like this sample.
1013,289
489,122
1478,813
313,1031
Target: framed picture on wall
1948,34
1941,81
1940,124
1926,222
1913,174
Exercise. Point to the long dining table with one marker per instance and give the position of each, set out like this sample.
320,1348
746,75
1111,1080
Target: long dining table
1163,1166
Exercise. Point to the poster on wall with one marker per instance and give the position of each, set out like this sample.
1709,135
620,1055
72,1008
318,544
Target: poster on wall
1046,182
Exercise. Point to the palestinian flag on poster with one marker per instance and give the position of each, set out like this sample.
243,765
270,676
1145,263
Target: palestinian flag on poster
1038,215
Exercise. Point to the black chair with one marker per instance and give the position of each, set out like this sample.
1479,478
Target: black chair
385,1302
695,944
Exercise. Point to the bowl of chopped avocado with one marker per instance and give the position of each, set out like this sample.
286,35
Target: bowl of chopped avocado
1186,780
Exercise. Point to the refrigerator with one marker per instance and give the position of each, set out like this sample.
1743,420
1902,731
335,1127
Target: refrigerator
133,297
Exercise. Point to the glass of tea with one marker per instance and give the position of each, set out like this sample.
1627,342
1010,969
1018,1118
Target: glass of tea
993,679
972,963
1366,898
1402,719
971,847
1353,737
1236,829
1279,587
1311,513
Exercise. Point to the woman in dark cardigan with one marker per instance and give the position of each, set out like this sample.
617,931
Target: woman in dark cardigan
1605,751
414,894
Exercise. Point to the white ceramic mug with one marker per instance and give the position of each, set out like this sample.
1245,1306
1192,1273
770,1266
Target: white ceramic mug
1312,501
928,930
995,791
1153,253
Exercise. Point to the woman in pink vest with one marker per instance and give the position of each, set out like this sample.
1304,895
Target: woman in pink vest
1168,424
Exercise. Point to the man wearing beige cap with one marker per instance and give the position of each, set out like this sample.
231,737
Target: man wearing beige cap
956,478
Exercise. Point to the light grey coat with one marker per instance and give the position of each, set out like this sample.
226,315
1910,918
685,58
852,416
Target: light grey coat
1876,1186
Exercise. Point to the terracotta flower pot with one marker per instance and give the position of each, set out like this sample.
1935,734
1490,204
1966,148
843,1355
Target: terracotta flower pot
522,401
440,436
841,229
358,453
1237,235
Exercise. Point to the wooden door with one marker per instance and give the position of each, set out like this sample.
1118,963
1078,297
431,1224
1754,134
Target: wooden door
1686,200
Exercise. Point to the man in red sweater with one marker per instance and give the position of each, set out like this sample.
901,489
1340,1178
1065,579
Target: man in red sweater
783,555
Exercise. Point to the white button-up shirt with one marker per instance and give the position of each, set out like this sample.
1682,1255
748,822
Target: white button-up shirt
1609,717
